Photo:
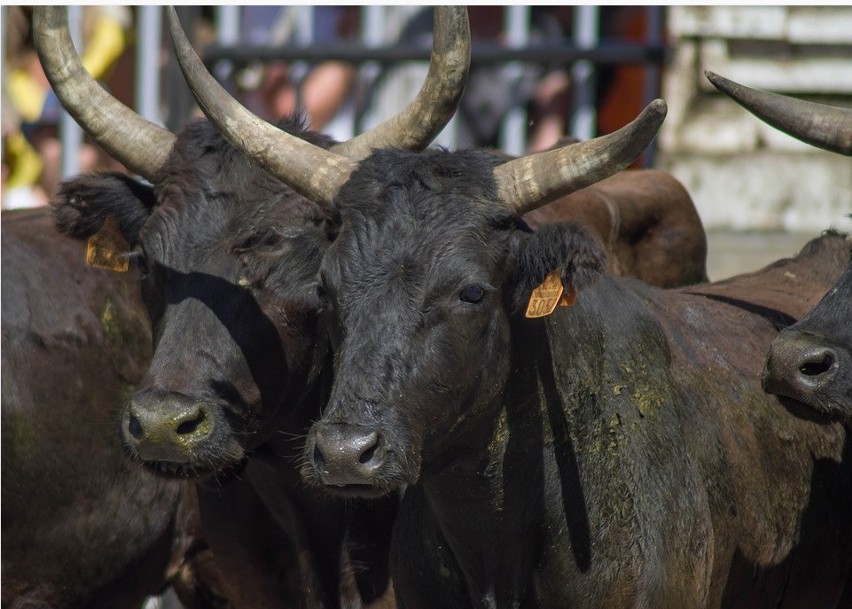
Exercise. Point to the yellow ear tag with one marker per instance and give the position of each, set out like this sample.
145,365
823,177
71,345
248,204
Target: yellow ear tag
108,249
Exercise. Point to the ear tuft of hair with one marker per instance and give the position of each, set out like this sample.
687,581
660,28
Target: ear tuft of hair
83,203
564,246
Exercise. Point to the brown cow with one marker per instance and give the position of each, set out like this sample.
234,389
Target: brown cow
647,222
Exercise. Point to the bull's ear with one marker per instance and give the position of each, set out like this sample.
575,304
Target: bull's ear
82,204
564,247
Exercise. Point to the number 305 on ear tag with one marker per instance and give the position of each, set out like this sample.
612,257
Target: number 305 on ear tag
545,298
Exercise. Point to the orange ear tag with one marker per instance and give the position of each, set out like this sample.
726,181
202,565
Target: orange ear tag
547,296
108,249
568,298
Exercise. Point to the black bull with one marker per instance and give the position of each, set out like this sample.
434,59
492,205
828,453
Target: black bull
82,527
229,261
228,258
617,453
810,362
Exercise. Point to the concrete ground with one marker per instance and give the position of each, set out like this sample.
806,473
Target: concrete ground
731,253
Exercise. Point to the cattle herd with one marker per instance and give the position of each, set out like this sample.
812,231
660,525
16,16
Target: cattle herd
337,374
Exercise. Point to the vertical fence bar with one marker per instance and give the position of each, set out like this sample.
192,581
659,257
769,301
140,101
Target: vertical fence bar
70,133
228,24
227,33
513,130
654,37
179,103
148,39
302,36
586,34
373,27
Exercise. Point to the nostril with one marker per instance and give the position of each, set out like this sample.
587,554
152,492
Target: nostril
319,459
135,427
188,427
816,368
369,453
347,453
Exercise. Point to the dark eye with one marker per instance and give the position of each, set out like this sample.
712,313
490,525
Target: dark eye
259,240
321,293
472,294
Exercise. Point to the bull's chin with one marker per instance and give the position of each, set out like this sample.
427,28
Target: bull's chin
196,462
353,489
193,471
357,491
815,413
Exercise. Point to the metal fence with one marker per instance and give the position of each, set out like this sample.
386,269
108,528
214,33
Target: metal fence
162,97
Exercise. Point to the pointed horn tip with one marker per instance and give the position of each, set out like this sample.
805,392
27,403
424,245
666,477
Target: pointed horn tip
659,107
653,114
717,81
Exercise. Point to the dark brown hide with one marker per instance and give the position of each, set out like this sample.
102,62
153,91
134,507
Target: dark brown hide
82,527
647,222
790,286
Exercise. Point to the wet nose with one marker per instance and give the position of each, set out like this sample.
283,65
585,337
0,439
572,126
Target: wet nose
166,426
345,454
799,365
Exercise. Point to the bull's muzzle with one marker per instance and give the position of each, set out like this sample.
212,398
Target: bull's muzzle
799,365
165,426
347,455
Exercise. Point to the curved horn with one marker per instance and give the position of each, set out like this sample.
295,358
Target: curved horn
531,181
282,154
139,144
827,127
421,121
309,170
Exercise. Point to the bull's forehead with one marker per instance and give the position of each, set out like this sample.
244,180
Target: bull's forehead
416,207
193,226
213,198
408,262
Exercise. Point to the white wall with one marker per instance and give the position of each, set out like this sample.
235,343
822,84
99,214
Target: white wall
741,173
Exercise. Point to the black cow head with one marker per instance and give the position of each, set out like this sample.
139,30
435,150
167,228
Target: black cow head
227,254
227,260
810,361
427,268
420,286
